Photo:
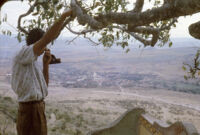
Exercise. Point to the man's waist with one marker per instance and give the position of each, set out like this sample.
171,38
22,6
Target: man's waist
32,102
31,97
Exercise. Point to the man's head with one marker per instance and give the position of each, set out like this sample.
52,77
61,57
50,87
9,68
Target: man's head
34,35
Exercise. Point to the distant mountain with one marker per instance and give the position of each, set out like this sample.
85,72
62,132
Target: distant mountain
9,41
10,45
185,42
81,43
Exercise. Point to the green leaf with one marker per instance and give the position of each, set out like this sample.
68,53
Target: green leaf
127,50
59,6
117,34
170,44
55,2
185,77
174,25
51,14
184,68
100,9
19,37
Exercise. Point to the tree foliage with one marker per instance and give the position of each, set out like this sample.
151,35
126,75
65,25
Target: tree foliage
116,22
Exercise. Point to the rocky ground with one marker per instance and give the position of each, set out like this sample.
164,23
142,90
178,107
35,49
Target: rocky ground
73,111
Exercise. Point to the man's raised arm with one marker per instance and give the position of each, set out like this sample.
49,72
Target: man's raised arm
51,34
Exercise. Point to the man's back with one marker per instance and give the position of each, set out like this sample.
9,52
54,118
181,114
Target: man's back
27,79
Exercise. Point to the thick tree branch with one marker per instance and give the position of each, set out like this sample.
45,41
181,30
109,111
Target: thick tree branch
138,6
84,18
169,10
137,20
144,30
148,30
194,30
141,39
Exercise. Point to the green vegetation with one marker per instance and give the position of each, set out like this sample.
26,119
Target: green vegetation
181,86
68,120
8,113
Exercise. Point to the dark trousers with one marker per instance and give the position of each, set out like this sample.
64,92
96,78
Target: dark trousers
31,118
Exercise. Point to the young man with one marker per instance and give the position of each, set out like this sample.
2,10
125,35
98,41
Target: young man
28,81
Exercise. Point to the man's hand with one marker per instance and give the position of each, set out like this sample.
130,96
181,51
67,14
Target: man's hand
47,57
68,11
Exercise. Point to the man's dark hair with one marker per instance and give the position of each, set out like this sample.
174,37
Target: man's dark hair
34,35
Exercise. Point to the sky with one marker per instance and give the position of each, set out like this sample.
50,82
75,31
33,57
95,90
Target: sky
14,9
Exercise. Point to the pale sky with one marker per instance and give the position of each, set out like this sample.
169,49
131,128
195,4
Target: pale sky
14,9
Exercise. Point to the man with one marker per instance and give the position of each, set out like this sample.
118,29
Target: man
28,81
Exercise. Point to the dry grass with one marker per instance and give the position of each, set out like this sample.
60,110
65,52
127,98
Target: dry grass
77,111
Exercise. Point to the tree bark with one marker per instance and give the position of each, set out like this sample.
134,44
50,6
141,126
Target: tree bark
194,30
170,9
167,11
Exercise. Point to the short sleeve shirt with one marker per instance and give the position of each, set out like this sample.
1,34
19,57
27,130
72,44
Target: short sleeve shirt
27,78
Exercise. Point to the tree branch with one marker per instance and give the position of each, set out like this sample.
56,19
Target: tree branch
147,30
167,11
23,15
138,6
69,42
135,19
80,33
26,14
84,18
194,30
95,43
150,30
139,38
67,22
167,27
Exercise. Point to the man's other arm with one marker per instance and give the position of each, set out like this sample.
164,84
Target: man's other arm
46,73
46,60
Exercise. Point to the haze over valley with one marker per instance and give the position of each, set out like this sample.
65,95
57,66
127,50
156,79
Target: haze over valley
93,85
87,66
